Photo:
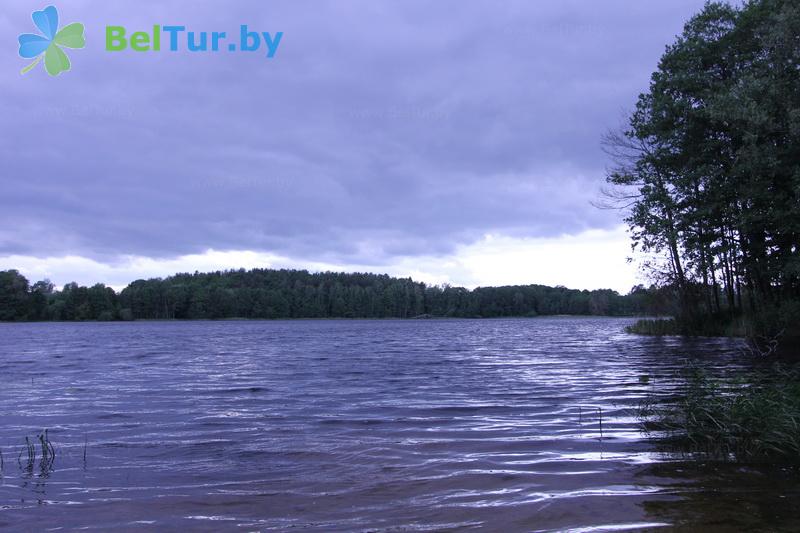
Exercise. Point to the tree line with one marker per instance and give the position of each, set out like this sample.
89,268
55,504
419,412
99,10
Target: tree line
267,294
708,167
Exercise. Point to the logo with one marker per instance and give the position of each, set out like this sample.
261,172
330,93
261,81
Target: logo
48,45
178,38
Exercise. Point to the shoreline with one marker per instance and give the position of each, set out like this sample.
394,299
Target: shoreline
319,319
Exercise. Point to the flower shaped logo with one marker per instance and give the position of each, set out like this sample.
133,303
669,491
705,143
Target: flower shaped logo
48,44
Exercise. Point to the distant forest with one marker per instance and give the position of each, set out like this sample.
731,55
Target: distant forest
269,294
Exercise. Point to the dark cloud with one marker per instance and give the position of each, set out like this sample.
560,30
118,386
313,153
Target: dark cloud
379,129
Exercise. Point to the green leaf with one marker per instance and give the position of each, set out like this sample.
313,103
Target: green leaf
71,36
55,60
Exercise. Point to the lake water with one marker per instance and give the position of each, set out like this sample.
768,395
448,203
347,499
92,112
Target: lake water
424,425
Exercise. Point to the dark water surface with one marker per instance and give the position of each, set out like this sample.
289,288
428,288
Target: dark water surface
422,425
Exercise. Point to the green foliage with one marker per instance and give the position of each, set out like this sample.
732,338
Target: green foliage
14,302
706,326
658,326
708,163
299,294
263,293
755,417
19,301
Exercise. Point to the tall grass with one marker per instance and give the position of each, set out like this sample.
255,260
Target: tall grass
654,326
706,326
751,418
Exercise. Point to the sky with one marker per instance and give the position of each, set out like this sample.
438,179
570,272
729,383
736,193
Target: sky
450,141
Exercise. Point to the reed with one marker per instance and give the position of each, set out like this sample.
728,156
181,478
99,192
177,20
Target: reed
749,419
698,326
600,416
30,450
48,453
654,326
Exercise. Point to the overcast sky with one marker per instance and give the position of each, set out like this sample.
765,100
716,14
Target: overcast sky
453,141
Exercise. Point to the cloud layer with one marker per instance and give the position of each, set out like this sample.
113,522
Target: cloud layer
380,132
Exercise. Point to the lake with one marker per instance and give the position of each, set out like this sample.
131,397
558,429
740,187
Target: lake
351,425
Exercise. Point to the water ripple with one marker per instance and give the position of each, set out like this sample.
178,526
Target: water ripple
513,425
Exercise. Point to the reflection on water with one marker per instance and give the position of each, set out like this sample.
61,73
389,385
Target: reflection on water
728,497
514,425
